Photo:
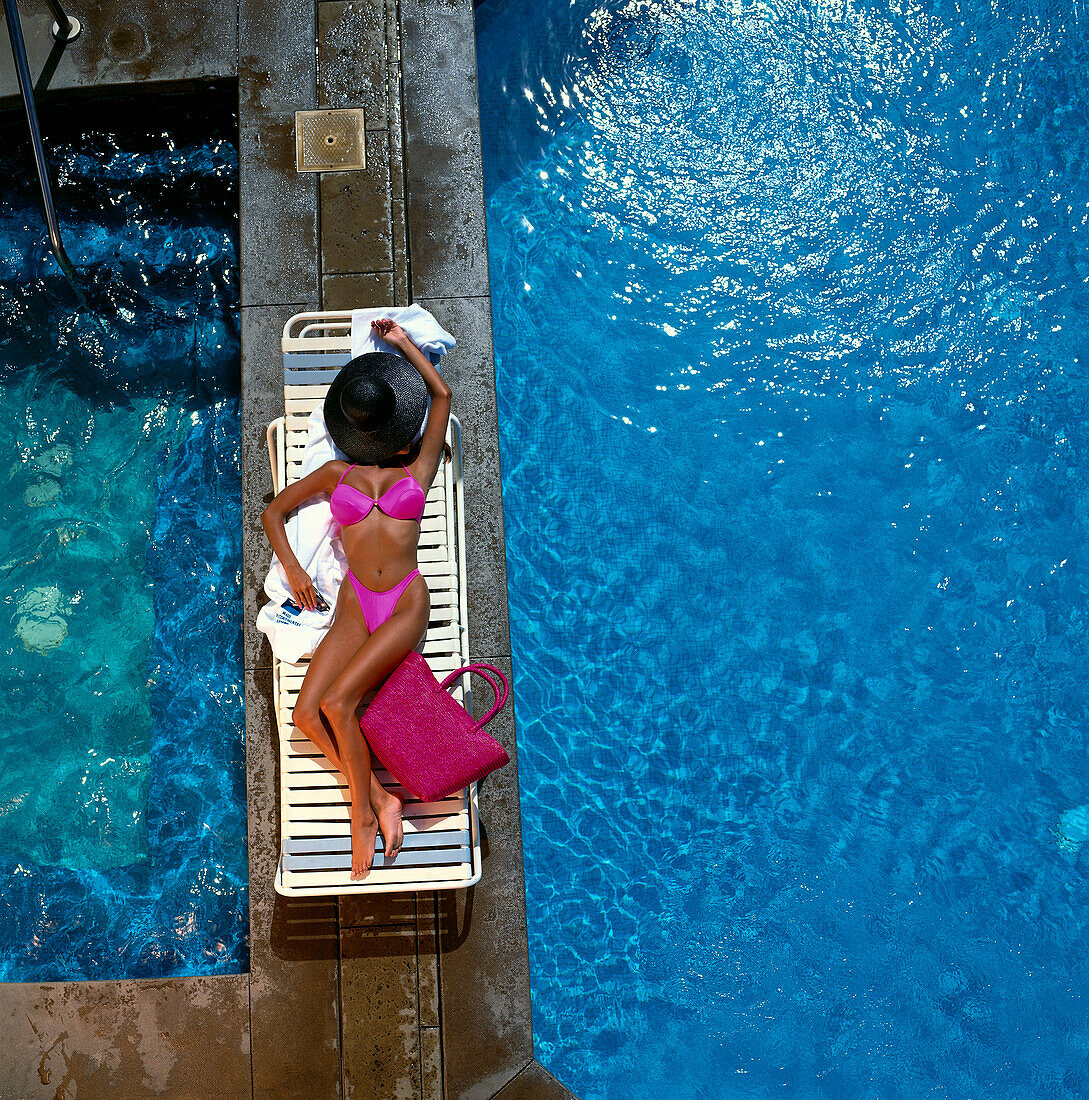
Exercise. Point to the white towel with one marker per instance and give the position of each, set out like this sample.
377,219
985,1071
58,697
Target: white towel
312,531
313,534
427,334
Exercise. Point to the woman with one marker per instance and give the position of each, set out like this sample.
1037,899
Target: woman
372,414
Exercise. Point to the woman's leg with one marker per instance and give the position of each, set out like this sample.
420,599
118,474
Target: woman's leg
375,659
340,644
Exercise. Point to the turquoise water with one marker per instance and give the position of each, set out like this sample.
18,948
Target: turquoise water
792,341
122,792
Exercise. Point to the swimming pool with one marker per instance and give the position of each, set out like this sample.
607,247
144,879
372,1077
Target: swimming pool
122,790
792,339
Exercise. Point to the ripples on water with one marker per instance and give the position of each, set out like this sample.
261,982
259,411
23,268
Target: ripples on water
790,315
122,792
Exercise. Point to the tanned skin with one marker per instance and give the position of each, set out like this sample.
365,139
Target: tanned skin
350,661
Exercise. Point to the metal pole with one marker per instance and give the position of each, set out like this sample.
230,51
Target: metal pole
18,53
58,14
63,27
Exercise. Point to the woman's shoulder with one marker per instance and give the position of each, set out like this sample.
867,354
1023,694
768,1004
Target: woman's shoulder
329,473
424,469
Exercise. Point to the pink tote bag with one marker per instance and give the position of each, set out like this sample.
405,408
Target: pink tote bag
427,740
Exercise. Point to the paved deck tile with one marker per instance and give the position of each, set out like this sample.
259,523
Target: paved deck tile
445,214
431,1063
279,210
483,950
184,1038
358,291
355,214
379,999
378,910
535,1083
262,402
126,42
294,1013
470,371
352,61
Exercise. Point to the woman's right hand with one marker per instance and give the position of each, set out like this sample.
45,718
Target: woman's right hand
391,332
302,589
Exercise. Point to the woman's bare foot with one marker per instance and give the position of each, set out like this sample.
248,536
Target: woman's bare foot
389,810
364,831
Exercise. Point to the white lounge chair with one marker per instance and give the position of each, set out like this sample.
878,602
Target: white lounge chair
442,839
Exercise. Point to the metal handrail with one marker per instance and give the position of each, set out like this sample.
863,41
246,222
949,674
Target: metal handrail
66,29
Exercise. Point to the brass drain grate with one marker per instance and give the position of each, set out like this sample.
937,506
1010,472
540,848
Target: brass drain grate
330,141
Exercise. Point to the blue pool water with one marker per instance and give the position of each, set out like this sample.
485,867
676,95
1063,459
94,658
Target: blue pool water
122,788
791,308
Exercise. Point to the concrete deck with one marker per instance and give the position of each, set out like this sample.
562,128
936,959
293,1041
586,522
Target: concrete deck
414,996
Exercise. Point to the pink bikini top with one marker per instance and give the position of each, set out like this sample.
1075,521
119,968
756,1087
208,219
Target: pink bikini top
404,499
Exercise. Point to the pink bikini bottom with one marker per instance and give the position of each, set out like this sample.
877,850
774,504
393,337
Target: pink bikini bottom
377,607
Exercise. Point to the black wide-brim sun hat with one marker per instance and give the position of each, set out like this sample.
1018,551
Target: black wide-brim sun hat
375,406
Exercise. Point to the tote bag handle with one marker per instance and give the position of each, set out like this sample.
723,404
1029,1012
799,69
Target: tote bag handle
483,670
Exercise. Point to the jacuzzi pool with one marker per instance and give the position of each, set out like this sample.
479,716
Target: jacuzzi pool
122,790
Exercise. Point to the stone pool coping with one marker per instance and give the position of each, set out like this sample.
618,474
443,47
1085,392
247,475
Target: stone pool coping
406,995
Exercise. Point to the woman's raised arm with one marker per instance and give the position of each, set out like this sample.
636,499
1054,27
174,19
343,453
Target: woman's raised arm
427,462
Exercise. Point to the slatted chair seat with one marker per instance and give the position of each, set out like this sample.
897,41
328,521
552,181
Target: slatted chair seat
442,839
